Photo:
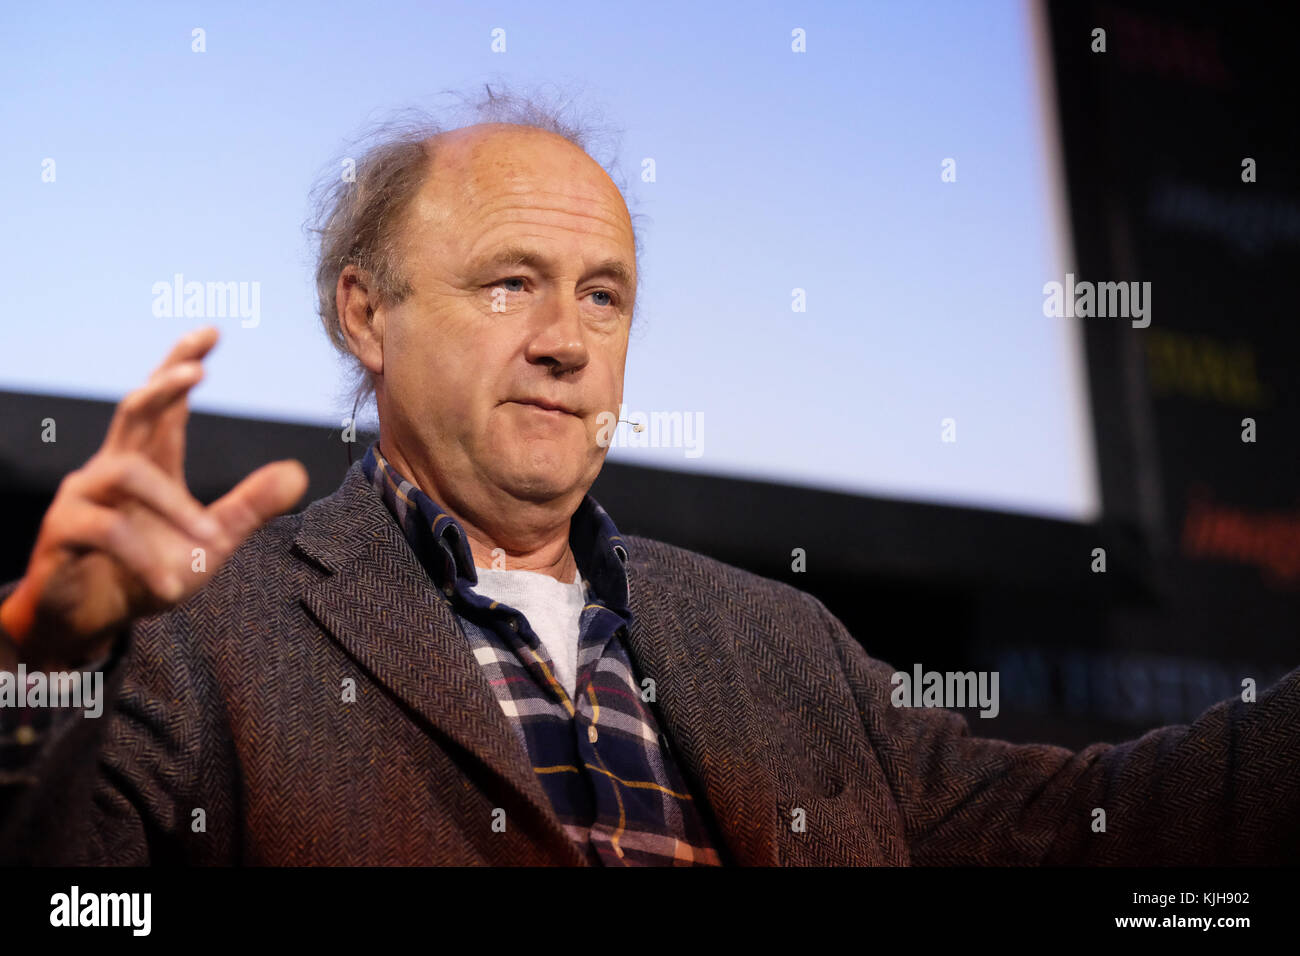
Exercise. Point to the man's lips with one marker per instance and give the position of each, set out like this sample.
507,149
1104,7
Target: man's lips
545,405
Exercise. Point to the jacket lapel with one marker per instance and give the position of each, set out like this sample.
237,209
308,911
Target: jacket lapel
711,719
378,602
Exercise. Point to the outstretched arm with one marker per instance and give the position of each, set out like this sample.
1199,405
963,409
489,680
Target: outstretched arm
1224,790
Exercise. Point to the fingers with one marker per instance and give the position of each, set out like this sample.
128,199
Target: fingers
127,483
125,508
143,413
150,550
109,480
138,415
267,492
191,347
152,418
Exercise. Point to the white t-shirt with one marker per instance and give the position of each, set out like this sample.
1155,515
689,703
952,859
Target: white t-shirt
553,610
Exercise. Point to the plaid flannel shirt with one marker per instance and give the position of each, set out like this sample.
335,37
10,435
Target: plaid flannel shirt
602,760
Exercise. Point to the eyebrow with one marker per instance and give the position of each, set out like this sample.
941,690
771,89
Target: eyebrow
509,256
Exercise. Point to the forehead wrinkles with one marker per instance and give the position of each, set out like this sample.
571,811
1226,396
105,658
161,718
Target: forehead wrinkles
559,181
521,217
565,211
480,192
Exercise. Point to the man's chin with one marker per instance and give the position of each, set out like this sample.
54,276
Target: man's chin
539,485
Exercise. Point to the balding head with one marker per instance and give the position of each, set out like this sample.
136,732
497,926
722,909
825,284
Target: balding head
503,176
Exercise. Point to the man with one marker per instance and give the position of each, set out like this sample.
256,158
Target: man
456,658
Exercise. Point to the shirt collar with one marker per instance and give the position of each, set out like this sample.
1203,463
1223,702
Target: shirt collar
443,548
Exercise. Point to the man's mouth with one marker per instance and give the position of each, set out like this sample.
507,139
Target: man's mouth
543,405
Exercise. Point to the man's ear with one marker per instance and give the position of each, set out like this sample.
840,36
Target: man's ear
359,318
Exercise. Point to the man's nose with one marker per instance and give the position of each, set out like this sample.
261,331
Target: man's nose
559,340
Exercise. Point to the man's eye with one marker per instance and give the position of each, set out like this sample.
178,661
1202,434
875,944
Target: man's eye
609,299
508,283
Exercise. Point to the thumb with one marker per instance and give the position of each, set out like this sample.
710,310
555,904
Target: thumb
261,496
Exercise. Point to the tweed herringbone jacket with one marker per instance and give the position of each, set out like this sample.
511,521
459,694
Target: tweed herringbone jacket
231,738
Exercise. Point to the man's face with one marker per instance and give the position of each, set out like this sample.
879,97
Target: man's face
522,261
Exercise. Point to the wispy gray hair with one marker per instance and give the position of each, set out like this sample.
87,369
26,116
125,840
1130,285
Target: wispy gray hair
358,217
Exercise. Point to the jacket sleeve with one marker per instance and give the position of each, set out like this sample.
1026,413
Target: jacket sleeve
1224,790
122,788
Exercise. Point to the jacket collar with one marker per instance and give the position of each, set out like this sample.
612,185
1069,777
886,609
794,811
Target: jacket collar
377,600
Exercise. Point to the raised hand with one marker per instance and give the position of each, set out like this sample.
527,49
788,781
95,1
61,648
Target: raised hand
118,540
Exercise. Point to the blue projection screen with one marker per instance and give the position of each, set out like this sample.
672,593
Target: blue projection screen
848,213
